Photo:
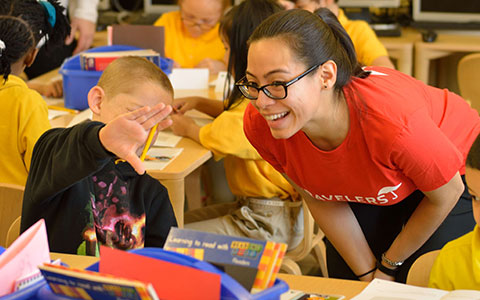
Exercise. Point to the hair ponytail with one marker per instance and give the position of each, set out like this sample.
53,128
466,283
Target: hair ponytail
17,39
344,39
236,26
60,29
23,24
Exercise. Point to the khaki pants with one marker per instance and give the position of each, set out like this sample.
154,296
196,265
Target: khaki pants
263,219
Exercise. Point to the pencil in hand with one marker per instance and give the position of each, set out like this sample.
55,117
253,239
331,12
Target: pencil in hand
149,142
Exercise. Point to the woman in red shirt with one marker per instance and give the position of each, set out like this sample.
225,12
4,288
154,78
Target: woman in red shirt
378,156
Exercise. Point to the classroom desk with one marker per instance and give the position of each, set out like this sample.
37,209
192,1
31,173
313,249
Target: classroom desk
348,288
181,169
401,49
445,44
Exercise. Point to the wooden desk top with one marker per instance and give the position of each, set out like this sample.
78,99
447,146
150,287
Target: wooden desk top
409,36
452,42
311,284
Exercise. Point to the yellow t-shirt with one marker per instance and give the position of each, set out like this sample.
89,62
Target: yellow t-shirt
23,119
367,45
247,173
184,49
458,264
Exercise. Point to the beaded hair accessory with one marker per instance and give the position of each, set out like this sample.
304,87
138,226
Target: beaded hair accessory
52,17
2,47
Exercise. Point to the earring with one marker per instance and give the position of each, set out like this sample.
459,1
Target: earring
325,86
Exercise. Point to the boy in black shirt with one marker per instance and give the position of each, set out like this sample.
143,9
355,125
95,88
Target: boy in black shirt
83,180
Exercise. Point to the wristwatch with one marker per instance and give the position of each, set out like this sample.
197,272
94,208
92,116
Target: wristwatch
391,263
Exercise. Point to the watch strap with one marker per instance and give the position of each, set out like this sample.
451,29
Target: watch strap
386,270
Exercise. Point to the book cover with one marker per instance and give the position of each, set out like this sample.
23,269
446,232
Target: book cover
21,259
248,261
142,36
87,285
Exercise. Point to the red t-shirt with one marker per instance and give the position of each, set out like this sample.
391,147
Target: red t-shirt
403,136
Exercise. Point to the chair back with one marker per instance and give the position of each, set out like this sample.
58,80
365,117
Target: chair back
13,232
11,199
419,272
468,72
312,243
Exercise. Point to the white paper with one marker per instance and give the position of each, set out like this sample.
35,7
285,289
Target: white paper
201,119
166,138
53,113
189,79
297,295
80,117
160,157
388,290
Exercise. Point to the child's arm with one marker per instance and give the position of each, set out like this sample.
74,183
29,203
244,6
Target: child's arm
64,156
126,135
211,107
185,126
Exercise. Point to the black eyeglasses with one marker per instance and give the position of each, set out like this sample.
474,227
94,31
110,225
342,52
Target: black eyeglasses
276,90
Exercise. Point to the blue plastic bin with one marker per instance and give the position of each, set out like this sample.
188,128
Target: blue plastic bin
230,288
77,82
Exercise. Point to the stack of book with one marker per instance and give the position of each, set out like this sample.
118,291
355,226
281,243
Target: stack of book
98,61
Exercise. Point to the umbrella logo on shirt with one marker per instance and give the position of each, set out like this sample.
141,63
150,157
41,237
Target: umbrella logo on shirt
390,189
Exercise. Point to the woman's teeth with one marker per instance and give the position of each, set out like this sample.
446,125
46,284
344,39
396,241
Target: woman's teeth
276,116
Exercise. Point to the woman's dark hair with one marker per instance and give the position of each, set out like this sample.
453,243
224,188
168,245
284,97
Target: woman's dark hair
23,23
314,39
236,27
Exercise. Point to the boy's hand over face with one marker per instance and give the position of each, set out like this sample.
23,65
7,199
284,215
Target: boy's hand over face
128,132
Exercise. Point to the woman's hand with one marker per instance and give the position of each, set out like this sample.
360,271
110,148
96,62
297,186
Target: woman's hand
128,132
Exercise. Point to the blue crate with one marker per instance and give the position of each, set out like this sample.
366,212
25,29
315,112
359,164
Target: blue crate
230,288
77,82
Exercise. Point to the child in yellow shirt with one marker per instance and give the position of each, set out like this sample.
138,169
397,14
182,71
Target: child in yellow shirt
370,51
191,34
458,263
25,26
266,206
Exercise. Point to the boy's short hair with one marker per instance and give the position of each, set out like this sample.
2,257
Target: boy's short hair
125,73
473,158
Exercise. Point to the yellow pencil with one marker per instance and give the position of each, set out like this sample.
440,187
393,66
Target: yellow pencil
149,141
55,107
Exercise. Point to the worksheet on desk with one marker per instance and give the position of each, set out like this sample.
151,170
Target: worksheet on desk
388,290
159,158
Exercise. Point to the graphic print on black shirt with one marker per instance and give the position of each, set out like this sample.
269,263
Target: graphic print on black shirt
114,225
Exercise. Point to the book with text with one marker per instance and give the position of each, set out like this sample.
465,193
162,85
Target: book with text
92,285
251,262
98,61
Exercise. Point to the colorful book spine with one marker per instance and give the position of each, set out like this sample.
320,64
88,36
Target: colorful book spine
92,63
265,266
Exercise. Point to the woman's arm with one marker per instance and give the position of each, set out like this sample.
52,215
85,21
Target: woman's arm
343,231
426,218
210,107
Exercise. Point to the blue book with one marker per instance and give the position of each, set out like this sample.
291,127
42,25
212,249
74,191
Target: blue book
251,262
